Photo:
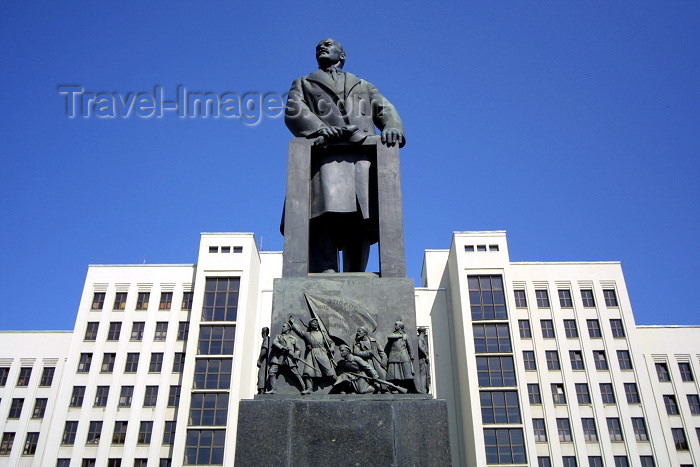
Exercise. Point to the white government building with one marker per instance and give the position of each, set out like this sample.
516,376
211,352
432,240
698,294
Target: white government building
540,363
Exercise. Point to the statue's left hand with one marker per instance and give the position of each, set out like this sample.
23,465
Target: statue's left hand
392,136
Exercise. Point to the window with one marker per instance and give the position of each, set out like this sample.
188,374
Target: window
570,328
568,461
595,461
204,447
496,407
169,432
576,358
640,429
488,301
564,429
84,362
542,298
213,249
69,432
31,443
679,439
161,331
137,330
621,461
552,357
582,394
647,461
39,407
590,434
132,362
504,446
218,340
25,375
98,301
115,328
239,249
601,363
671,404
8,440
183,330
150,398
178,362
62,462
540,430
547,328
142,300
47,376
662,372
211,409
4,372
607,393
174,396
529,360
694,403
623,358
145,431
565,298
524,328
558,395
125,396
481,248
186,301
119,434
120,301
520,300
221,299
216,373
166,301
16,408
93,463
91,331
533,393
156,363
632,393
468,248
76,398
610,297
686,371
544,461
587,297
94,432
594,328
618,330
101,395
140,462
615,429
163,462
108,360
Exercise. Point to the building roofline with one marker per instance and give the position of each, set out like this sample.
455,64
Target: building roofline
25,331
142,265
564,262
673,326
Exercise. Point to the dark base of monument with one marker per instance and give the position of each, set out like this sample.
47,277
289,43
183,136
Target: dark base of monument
343,430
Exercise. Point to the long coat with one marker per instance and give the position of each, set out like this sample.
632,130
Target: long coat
340,182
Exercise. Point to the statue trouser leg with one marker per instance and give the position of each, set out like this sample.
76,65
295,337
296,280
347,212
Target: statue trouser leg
308,385
272,379
355,255
323,251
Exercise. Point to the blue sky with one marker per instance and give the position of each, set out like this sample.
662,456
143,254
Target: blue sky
572,125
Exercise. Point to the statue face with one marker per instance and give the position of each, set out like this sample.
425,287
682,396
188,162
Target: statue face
313,324
398,325
360,334
344,351
330,50
286,327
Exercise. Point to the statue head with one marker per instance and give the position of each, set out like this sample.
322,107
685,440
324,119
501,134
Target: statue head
286,327
360,333
344,350
265,331
313,324
421,330
329,52
398,326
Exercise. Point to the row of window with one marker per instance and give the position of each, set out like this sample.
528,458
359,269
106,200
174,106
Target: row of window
118,434
25,374
132,362
142,300
684,368
583,395
565,299
576,358
480,248
137,328
30,443
590,433
113,462
570,328
225,249
596,461
126,394
671,404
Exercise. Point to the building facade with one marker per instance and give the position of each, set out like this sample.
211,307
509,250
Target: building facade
540,363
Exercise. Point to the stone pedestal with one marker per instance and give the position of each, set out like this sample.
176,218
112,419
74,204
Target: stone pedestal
343,431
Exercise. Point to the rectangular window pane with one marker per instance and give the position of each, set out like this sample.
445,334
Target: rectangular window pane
220,299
